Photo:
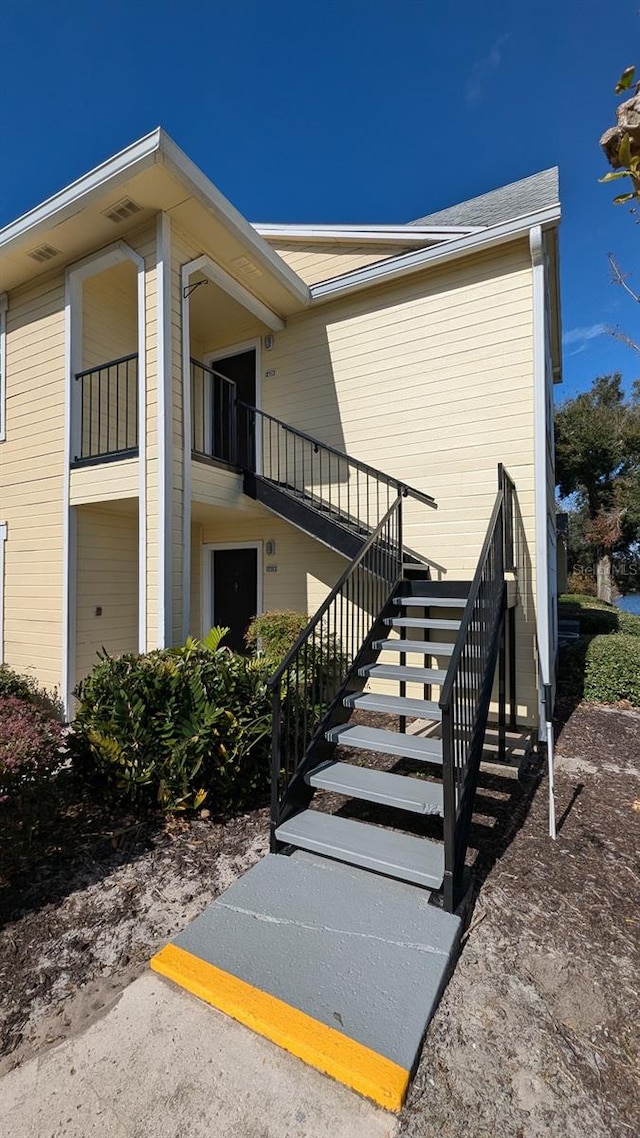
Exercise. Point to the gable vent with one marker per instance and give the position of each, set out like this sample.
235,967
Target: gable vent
43,253
121,210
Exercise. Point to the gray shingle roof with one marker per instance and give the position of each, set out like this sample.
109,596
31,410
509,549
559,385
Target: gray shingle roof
526,196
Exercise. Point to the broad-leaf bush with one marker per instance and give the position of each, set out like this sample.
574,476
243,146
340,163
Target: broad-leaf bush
178,728
32,746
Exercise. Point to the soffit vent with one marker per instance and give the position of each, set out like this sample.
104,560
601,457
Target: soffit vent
121,210
246,267
44,253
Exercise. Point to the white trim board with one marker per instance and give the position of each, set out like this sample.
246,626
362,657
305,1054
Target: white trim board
394,268
206,577
3,538
543,631
165,430
364,234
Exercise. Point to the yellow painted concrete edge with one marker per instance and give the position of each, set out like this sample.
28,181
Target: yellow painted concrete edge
320,1046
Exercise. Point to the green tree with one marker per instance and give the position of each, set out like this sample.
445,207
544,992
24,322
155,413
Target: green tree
598,466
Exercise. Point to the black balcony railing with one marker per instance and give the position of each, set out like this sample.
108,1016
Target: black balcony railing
108,406
213,415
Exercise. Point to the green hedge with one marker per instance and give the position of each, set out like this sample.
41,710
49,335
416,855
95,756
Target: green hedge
596,616
612,669
178,728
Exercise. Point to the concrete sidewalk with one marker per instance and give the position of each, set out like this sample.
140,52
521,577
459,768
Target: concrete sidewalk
161,1064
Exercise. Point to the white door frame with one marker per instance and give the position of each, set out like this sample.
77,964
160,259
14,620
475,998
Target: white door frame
206,577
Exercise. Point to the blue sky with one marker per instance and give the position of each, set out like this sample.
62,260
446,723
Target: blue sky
354,110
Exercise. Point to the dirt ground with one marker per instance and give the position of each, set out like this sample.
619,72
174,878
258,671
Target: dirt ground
537,1031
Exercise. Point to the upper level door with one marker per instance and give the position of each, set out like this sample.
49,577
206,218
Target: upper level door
240,368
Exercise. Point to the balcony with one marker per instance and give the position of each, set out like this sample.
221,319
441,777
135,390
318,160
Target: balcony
107,403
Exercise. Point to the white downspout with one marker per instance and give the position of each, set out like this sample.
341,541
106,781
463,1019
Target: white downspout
543,631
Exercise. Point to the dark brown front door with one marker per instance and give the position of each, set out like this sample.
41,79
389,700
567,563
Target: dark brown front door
235,592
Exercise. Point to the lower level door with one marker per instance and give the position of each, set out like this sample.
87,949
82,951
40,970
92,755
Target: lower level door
234,581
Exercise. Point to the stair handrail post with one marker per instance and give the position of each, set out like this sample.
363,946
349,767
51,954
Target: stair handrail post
276,752
449,810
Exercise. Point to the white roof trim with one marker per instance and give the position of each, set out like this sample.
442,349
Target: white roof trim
65,203
155,148
379,234
406,263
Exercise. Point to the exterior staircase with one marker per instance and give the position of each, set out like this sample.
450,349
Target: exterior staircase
339,950
390,643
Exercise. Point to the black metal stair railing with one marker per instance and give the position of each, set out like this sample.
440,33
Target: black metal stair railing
108,411
310,680
466,693
346,490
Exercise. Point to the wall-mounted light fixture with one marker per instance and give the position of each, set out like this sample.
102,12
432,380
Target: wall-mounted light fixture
268,342
270,548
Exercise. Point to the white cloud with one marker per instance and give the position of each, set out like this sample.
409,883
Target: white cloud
581,336
482,69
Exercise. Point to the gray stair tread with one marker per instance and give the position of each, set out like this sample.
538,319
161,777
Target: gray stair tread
432,602
400,791
421,622
396,672
424,647
386,742
384,851
393,705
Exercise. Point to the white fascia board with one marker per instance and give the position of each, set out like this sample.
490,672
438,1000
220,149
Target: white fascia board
133,159
204,190
374,234
395,267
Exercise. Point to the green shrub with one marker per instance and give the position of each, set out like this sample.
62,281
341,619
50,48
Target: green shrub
27,689
275,633
178,727
612,669
596,617
32,746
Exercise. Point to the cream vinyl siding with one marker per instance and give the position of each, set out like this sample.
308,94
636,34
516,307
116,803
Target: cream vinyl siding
104,482
31,478
305,570
109,315
107,578
431,381
319,261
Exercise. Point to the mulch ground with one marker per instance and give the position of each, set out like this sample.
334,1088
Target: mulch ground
536,1034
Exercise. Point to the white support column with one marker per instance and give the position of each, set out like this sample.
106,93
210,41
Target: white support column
186,446
165,429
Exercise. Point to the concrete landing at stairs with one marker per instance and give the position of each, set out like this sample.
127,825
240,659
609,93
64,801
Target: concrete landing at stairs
341,967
